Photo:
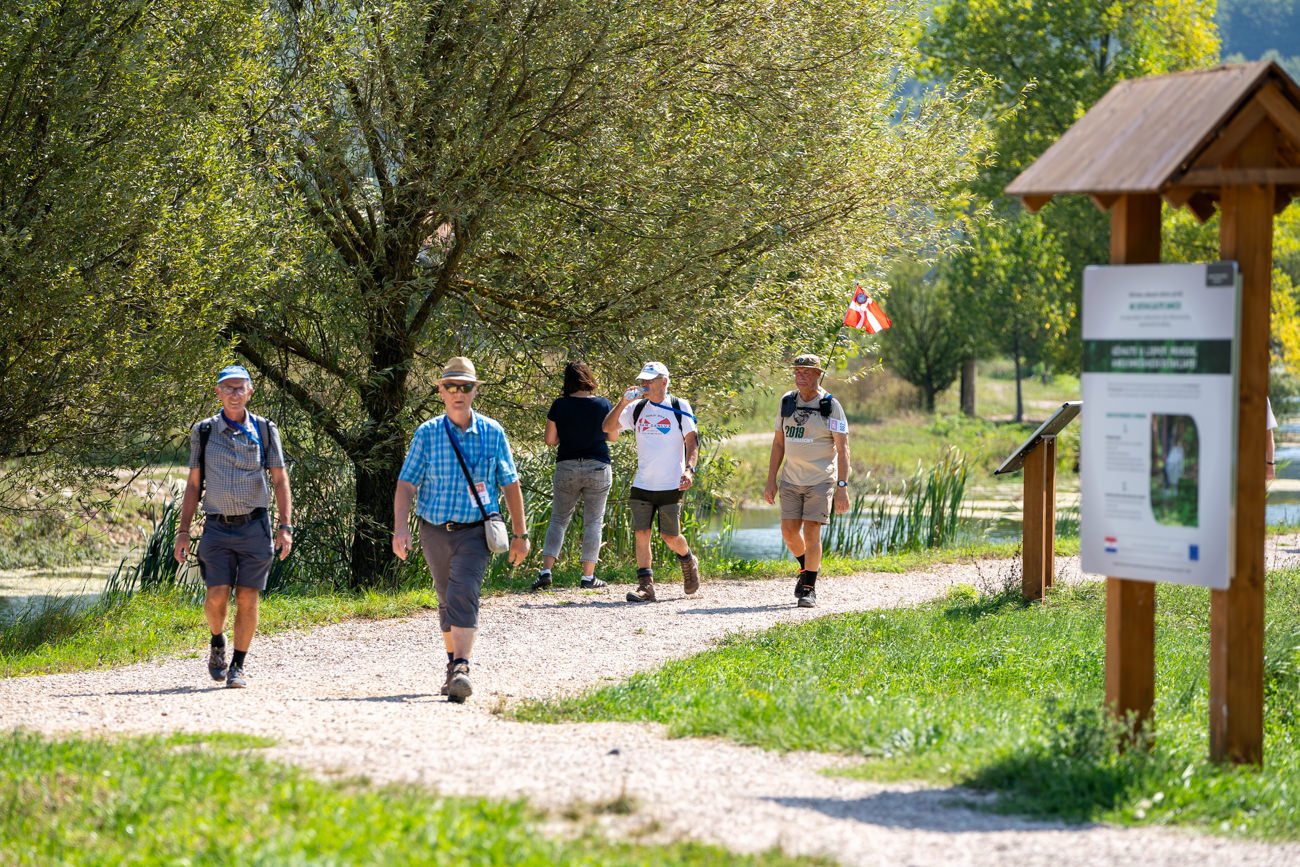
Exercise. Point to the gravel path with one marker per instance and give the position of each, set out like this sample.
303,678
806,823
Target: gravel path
361,698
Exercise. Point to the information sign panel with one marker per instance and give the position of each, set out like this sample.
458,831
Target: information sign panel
1158,445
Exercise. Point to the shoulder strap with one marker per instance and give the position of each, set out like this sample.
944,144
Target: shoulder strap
205,431
789,401
824,405
463,468
677,412
638,409
263,429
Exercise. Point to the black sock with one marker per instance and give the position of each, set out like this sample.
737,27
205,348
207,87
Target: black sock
460,659
800,559
237,658
809,578
685,558
451,657
644,573
219,640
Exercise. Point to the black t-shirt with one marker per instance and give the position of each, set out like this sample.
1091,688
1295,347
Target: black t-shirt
578,420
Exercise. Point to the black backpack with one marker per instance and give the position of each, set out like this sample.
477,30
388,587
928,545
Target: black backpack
205,432
640,407
790,401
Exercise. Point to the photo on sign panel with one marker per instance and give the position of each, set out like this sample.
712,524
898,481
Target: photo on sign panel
1175,470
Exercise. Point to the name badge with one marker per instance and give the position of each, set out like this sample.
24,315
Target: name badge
478,493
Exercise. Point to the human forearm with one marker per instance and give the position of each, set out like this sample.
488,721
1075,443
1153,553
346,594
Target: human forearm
403,496
514,496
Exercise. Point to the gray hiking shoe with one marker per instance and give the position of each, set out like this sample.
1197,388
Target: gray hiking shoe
235,677
806,596
217,663
691,575
458,686
592,583
644,592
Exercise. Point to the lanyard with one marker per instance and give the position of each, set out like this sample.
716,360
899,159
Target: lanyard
452,436
251,432
670,408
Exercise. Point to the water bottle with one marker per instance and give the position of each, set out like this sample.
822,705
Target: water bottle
635,392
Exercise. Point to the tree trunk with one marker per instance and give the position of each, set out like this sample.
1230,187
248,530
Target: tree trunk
372,551
968,386
1020,400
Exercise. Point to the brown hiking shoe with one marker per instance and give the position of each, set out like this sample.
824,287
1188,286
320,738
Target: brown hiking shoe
691,575
645,591
446,683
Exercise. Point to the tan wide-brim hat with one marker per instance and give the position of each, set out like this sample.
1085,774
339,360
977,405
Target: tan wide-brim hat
810,361
459,369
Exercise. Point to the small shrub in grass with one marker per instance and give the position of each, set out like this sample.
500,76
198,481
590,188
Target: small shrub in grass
186,800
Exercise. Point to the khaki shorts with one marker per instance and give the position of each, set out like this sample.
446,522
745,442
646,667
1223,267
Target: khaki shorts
807,502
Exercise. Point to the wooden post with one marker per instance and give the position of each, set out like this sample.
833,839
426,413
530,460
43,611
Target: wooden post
1237,614
1131,605
1039,539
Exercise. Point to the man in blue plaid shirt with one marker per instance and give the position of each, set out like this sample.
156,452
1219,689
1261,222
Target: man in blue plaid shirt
451,511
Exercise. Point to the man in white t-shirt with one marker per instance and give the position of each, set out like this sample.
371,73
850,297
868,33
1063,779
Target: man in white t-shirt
666,451
811,451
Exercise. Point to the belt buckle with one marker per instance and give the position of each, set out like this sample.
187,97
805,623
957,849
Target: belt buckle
449,526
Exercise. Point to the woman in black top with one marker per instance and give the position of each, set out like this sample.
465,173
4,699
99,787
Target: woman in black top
582,471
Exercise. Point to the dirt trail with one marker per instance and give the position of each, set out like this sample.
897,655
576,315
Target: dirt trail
361,698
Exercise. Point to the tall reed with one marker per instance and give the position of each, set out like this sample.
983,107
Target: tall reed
925,513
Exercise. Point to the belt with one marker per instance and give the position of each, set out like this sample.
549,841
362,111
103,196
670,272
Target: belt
453,526
238,520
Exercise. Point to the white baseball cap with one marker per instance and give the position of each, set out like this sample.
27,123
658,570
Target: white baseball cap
653,370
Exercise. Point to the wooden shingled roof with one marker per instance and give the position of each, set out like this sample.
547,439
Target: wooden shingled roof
1176,136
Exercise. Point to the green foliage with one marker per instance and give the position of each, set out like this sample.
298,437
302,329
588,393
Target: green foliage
925,513
675,180
208,799
985,690
120,210
930,336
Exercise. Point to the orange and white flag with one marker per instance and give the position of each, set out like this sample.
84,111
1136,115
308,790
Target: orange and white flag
865,313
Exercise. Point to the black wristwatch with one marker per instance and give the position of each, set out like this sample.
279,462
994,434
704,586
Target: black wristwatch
841,484
288,527
519,536
691,467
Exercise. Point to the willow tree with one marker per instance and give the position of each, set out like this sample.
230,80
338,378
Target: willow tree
120,211
517,180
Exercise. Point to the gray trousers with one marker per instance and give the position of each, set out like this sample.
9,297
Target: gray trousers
586,479
458,561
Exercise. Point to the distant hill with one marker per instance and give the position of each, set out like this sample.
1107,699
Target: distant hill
1256,29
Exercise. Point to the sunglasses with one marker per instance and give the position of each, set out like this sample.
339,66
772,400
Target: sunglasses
458,387
233,389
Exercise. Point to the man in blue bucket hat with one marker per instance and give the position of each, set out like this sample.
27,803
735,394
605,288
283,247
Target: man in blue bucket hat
231,454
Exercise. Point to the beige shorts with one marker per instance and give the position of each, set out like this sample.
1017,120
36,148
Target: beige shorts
807,502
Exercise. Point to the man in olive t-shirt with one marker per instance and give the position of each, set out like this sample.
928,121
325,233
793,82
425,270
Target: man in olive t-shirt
811,451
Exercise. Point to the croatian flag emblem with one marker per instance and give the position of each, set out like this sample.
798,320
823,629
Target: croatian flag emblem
1112,545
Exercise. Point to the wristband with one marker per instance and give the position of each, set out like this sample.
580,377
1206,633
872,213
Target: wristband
519,536
288,527
1271,463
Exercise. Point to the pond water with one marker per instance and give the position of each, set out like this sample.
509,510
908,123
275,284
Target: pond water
997,512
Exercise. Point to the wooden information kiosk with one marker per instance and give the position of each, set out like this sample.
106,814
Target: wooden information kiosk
1037,457
1227,139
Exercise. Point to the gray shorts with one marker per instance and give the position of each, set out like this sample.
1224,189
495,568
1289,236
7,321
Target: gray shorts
458,561
236,555
644,505
807,502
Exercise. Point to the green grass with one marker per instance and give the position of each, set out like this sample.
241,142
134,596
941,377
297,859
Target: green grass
209,800
61,637
986,691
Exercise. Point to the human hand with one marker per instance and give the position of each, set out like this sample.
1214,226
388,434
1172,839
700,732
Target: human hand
688,479
402,543
841,501
519,548
769,493
633,393
283,541
182,549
